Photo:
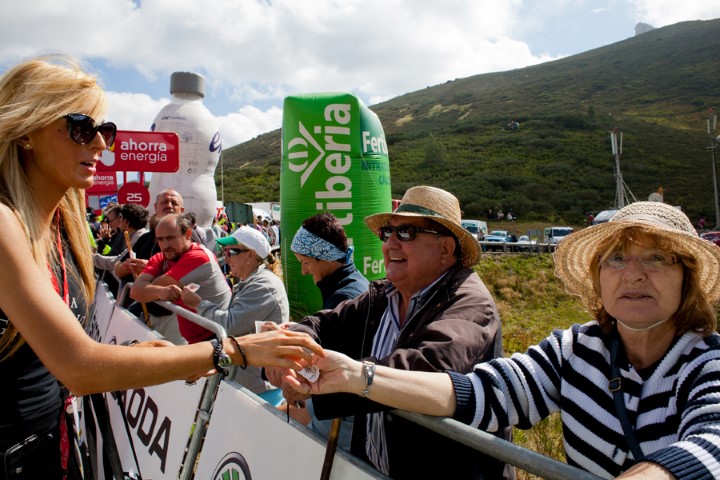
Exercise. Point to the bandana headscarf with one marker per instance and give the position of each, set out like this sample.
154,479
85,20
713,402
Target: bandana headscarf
308,244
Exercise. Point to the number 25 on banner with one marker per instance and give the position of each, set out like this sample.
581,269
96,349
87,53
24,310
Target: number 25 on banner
134,192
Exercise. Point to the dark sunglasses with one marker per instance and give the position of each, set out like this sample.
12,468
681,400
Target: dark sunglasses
231,252
82,129
405,233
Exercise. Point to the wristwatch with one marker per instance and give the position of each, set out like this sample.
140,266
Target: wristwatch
369,371
221,360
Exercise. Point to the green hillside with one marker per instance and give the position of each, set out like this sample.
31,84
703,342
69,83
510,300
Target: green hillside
655,87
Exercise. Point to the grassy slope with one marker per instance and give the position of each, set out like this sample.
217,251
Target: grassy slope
532,302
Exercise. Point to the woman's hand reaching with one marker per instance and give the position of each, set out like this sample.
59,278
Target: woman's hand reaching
277,348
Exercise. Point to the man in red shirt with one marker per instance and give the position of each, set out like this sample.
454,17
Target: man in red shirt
181,262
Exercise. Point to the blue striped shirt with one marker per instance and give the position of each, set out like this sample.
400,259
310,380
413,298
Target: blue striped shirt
383,345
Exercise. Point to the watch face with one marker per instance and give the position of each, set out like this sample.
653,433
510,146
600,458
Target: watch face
225,360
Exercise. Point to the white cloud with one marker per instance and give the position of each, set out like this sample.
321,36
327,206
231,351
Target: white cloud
133,111
660,13
254,53
248,123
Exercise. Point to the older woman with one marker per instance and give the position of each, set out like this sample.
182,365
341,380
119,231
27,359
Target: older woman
259,295
51,139
638,388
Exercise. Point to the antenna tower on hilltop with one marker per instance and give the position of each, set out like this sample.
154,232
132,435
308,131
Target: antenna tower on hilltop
621,189
711,128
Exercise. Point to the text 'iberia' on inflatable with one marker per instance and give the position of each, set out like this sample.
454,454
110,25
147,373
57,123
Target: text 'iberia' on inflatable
334,159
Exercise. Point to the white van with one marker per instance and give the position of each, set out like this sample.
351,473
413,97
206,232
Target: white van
553,235
476,227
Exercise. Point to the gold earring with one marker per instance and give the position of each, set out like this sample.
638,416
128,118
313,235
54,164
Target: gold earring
27,146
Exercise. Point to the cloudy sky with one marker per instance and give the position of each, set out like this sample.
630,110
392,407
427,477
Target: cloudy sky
253,53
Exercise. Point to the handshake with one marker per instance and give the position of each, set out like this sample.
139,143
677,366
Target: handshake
329,372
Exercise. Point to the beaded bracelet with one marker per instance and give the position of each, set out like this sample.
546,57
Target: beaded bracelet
242,352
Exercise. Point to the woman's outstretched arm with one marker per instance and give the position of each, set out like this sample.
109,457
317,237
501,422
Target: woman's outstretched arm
422,392
40,315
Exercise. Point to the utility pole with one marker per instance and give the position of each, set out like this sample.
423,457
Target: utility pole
711,126
617,151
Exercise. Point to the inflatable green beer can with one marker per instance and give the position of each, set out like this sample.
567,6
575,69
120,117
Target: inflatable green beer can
334,159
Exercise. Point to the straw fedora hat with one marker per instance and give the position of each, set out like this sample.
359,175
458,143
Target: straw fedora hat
439,206
574,253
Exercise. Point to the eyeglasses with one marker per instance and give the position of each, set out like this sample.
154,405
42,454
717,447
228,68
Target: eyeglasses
83,129
232,252
652,261
405,233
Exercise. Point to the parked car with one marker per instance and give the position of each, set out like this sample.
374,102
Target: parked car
713,236
500,236
524,244
604,216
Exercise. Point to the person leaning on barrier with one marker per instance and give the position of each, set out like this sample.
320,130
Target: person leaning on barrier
181,262
167,202
321,247
127,269
652,352
259,294
51,140
431,313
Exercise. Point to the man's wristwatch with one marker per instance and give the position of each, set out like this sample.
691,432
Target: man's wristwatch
369,372
221,360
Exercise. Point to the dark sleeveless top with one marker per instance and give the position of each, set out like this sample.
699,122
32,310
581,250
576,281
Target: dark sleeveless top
31,401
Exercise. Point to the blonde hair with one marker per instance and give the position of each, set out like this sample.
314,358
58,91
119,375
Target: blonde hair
273,264
695,312
33,94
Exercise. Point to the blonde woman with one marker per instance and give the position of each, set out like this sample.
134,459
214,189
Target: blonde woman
52,134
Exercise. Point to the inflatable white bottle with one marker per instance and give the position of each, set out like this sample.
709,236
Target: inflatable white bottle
200,147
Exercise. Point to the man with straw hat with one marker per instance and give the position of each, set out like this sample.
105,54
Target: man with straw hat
431,313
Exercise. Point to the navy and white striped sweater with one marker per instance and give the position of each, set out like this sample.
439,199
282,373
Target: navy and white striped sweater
674,405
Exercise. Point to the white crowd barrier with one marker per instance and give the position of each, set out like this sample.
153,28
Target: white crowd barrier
250,438
246,438
216,429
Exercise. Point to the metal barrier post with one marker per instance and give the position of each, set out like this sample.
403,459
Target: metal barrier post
499,448
208,397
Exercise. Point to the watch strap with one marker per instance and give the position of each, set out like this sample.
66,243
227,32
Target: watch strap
218,353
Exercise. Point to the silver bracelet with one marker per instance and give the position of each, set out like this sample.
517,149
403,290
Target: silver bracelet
369,371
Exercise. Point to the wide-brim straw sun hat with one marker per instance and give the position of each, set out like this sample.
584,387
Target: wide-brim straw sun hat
439,206
574,253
